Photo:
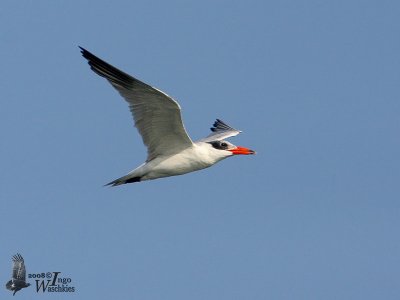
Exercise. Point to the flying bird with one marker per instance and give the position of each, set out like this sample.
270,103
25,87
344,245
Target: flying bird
18,280
170,150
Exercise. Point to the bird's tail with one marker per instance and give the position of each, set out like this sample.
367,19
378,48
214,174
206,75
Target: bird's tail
124,179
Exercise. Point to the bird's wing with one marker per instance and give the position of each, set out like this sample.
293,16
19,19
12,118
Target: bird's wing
19,271
220,131
157,116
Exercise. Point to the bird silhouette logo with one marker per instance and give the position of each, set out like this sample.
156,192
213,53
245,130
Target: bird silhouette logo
18,279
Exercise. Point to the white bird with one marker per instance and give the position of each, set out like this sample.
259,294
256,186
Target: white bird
157,116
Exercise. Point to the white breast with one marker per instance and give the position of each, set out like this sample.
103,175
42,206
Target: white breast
197,157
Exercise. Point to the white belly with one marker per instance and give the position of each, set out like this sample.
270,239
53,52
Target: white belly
189,160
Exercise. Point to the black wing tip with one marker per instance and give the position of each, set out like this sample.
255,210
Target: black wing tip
83,50
18,257
104,69
216,124
88,55
220,125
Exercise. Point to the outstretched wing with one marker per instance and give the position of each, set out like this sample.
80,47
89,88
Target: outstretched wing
19,271
220,131
157,116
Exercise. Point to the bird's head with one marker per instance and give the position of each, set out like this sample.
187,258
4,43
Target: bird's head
230,149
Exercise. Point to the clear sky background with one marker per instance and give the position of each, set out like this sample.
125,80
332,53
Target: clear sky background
313,85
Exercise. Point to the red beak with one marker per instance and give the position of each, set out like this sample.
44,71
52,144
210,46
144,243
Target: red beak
242,151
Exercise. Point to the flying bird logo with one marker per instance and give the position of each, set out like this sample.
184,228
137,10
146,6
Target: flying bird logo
18,279
170,150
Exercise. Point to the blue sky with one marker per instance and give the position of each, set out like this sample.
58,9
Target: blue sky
313,85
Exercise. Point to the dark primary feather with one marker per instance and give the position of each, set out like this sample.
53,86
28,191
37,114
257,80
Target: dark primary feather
19,271
116,76
220,125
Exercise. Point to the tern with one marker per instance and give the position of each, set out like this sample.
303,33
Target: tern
157,116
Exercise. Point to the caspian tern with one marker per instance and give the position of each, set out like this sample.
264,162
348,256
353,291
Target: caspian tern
157,116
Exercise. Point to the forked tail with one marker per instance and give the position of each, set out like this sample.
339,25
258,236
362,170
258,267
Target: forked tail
124,180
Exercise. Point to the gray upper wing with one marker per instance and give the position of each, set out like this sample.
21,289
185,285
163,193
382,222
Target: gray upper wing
157,116
220,131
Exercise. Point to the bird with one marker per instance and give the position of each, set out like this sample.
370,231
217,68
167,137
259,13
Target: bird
157,116
18,280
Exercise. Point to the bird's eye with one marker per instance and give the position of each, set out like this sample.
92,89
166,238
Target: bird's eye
219,145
